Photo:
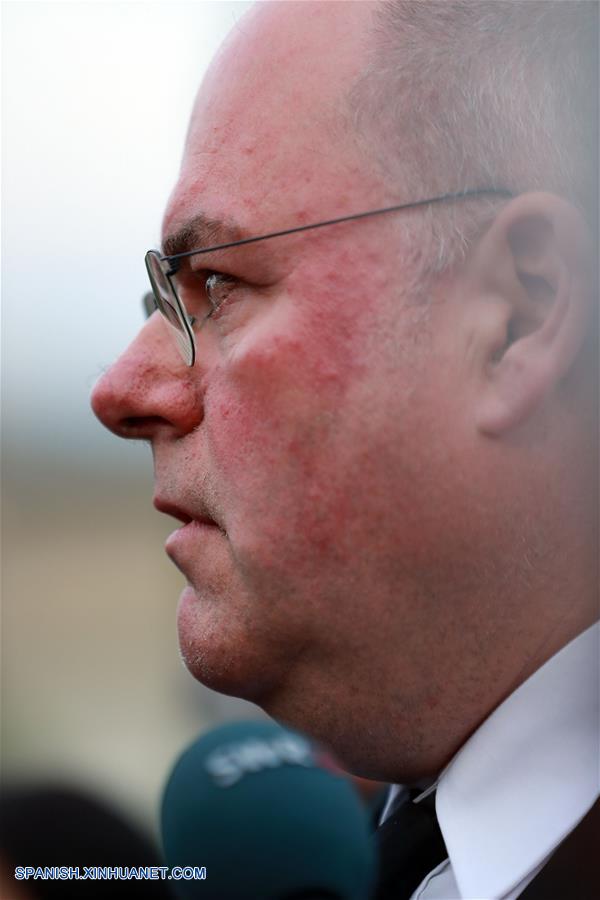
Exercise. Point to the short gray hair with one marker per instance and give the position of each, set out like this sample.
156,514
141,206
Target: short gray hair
465,94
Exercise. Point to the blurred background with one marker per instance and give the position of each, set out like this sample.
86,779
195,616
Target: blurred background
96,99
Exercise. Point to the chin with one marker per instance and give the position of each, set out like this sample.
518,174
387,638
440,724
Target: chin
226,653
222,675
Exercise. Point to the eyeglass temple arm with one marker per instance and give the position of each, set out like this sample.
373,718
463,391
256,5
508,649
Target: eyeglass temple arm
503,192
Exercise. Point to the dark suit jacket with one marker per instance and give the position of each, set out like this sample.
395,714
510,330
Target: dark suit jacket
411,845
573,871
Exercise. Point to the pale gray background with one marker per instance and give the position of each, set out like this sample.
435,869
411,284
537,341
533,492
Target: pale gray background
96,98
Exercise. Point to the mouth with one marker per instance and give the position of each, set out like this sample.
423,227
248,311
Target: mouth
200,517
197,542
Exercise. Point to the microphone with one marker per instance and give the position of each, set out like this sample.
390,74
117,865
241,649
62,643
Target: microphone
269,815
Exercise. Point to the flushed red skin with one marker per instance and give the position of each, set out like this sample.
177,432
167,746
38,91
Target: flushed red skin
327,427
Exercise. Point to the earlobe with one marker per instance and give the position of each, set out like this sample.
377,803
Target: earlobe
517,386
536,257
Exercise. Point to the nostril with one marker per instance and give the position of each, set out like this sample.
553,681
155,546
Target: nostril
140,426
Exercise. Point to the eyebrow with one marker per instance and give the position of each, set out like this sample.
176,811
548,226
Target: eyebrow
199,232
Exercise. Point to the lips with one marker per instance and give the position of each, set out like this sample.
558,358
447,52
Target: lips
200,516
196,544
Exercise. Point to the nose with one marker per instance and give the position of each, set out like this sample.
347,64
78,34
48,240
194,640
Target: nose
149,389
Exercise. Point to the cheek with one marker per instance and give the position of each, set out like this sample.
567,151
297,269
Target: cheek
277,419
296,416
272,404
282,379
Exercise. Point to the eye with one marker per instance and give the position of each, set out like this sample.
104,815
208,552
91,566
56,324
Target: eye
219,288
205,293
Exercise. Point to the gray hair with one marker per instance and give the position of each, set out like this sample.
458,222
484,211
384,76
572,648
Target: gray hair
466,94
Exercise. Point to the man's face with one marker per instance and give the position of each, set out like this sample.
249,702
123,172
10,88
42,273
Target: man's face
313,427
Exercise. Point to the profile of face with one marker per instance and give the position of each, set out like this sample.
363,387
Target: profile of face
317,452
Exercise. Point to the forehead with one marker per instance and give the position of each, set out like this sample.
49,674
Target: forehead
269,136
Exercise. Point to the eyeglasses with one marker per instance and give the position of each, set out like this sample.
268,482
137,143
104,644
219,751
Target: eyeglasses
162,269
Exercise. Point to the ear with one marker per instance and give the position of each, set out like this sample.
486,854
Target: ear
533,269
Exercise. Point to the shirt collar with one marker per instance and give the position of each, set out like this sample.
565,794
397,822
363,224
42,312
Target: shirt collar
527,776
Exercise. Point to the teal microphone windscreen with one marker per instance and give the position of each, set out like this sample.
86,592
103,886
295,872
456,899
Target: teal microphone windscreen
268,816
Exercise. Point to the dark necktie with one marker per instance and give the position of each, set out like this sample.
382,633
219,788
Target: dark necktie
410,846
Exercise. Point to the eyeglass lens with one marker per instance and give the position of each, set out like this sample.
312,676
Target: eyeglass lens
170,307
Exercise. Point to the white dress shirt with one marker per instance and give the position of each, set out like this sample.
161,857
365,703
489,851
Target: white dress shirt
522,781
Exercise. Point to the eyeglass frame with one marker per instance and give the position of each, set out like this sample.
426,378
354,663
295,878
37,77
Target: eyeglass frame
172,262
